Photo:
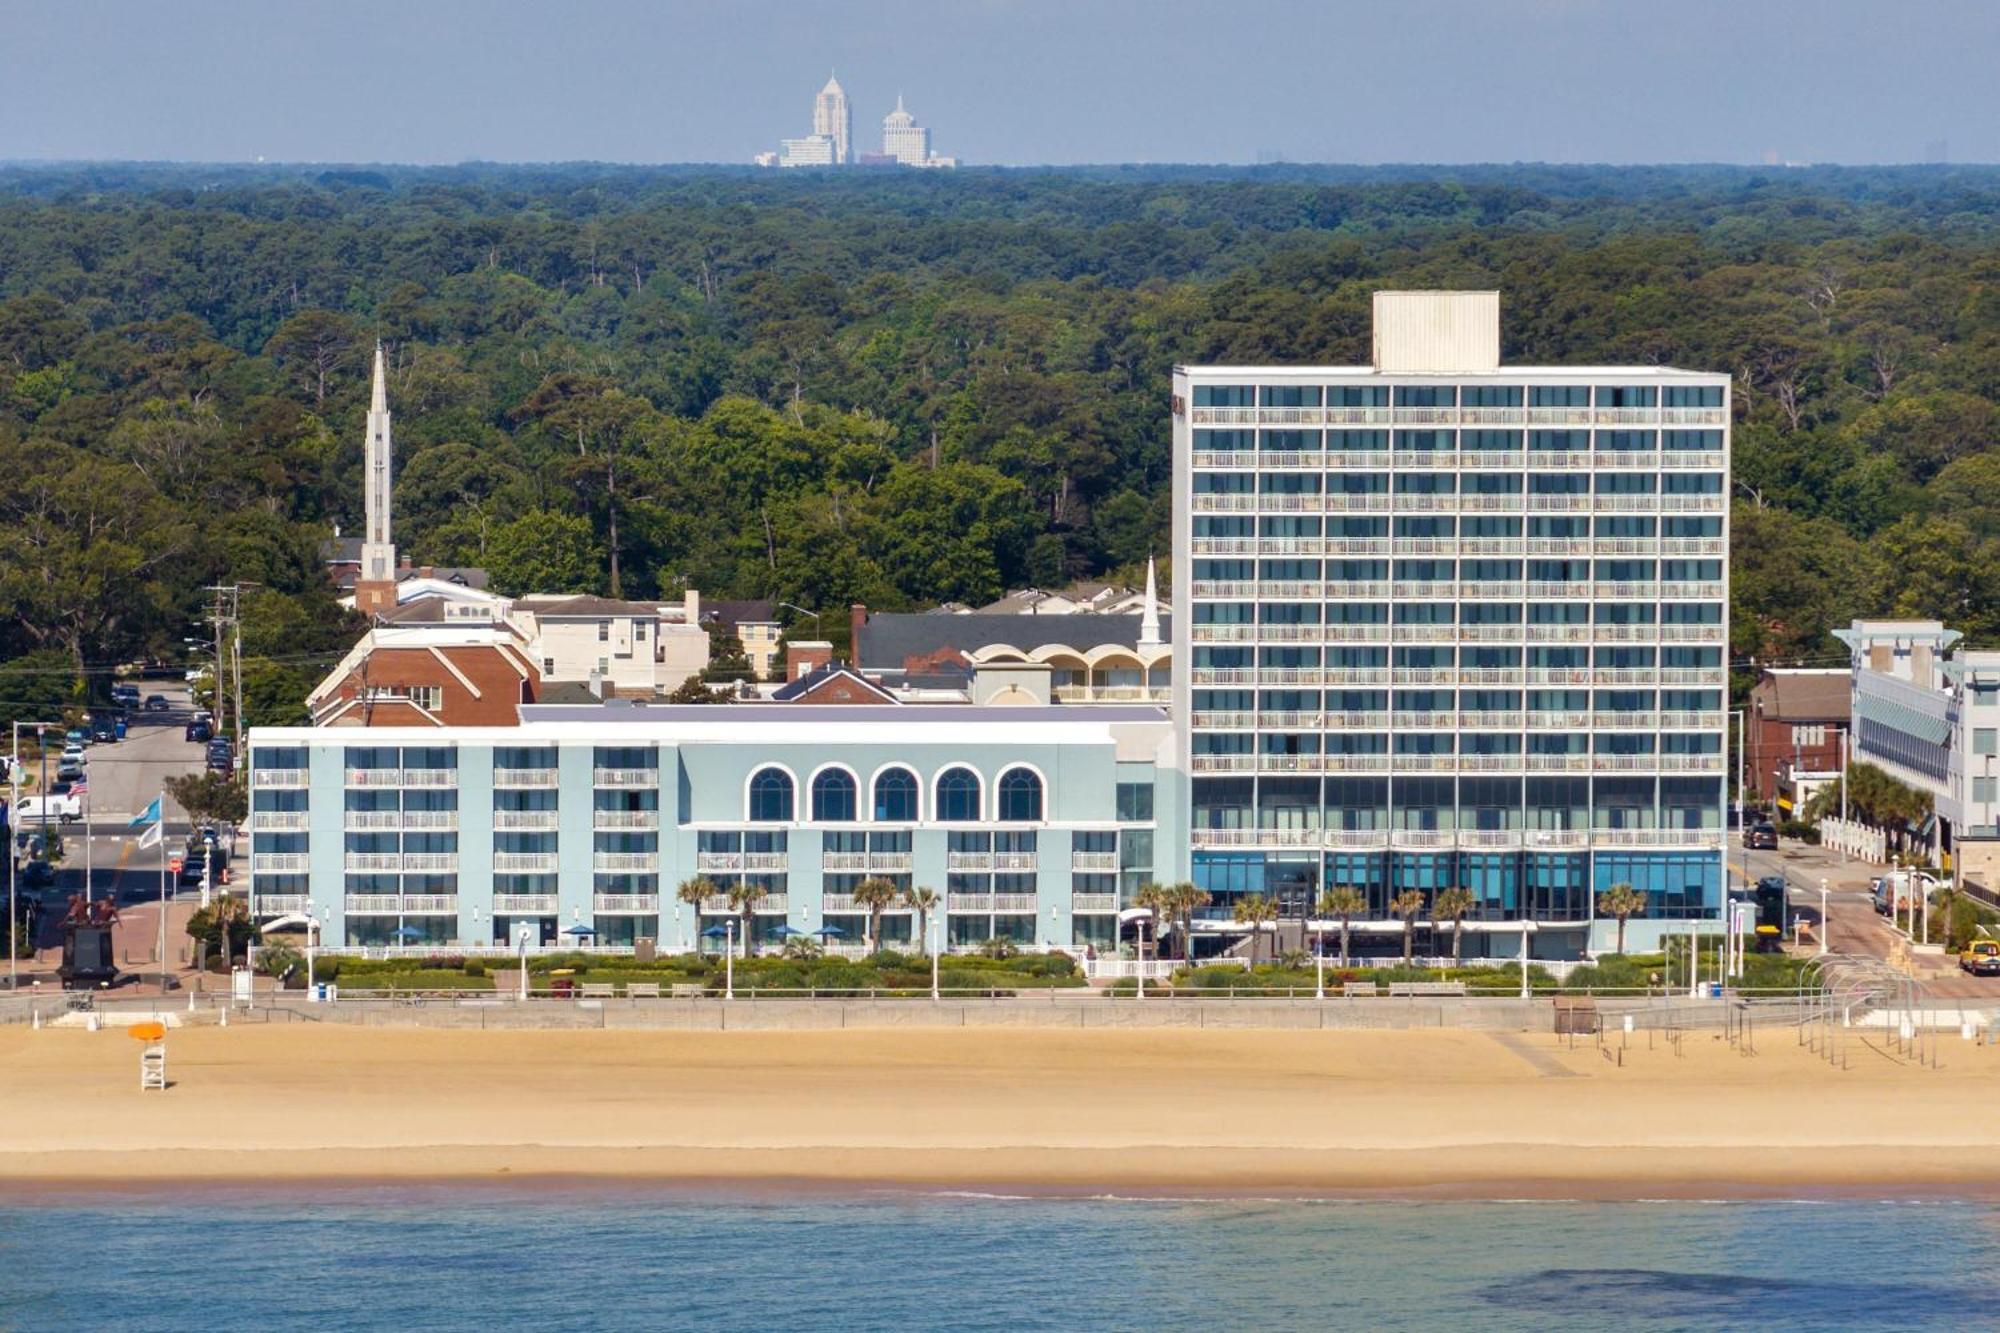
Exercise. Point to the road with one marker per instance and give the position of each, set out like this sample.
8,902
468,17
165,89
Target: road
124,776
1853,926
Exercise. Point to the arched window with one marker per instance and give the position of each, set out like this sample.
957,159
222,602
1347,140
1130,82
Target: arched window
896,796
771,796
958,796
833,797
1020,796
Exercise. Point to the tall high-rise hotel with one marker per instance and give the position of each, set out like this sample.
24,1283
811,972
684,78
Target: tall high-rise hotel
1450,623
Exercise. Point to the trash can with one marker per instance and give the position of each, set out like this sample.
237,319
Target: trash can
1714,989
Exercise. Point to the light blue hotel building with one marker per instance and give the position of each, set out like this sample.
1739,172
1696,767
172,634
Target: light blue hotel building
1033,824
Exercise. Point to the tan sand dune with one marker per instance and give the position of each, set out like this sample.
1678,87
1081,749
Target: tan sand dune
1254,1111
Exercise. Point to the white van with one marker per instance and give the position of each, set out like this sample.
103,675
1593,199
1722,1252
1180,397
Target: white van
61,809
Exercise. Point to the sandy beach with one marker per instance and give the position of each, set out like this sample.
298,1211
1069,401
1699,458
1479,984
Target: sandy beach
1265,1112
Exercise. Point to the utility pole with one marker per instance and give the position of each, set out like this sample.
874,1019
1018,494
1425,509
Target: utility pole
227,612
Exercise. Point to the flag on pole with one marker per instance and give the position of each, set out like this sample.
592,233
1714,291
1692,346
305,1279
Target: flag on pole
150,815
152,836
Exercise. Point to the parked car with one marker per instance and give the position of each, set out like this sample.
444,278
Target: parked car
103,728
1762,836
194,865
156,703
69,770
197,730
125,693
76,736
64,809
1981,958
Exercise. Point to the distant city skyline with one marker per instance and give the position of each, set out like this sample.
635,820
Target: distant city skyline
1017,82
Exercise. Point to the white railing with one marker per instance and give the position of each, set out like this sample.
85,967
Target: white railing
890,862
374,862
278,863
428,820
626,904
525,821
1655,837
1093,860
718,861
1489,838
1093,902
1014,860
431,862
278,779
374,777
1353,839
1558,763
371,903
626,819
434,778
1417,838
767,860
1201,763
625,777
1556,837
1694,416
626,862
524,863
279,821
524,904
278,904
430,904
968,902
1854,838
843,860
517,779
984,860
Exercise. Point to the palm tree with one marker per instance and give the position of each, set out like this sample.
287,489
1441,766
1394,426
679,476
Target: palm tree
743,896
1255,909
228,911
923,902
803,948
1621,901
876,894
1158,900
1342,902
1409,905
694,892
1184,900
1454,905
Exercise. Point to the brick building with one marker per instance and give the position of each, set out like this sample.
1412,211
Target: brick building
1795,721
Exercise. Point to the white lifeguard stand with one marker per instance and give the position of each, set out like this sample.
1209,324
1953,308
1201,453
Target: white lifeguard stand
152,1054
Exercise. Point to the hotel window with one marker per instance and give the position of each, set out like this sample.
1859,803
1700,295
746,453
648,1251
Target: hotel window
1706,395
957,796
1808,736
1225,395
833,797
603,631
771,796
896,796
1491,395
1627,395
1366,395
1289,395
1983,789
1135,802
1427,395
1983,740
1020,797
1559,395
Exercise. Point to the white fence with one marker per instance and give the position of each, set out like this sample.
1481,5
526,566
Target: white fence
1870,844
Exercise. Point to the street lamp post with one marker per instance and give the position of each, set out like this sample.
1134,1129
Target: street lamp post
818,632
521,937
312,938
729,959
1824,920
935,944
1319,966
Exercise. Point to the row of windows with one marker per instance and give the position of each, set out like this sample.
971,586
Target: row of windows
1446,613
1457,395
1544,571
1449,483
1294,441
957,796
1559,527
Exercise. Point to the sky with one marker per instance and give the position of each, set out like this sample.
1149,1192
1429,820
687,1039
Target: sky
1012,82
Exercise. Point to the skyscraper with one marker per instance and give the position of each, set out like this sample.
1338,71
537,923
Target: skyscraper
832,119
903,139
1454,624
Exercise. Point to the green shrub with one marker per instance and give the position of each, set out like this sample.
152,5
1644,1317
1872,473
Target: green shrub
475,967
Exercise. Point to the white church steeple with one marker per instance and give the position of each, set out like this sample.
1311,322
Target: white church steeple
1149,621
377,582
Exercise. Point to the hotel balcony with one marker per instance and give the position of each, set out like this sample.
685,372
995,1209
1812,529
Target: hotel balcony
626,904
1093,860
402,904
770,904
1555,838
1013,861
1201,763
526,821
718,861
990,902
1558,763
843,861
521,779
626,819
1656,837
432,778
430,863
1108,694
976,860
626,862
525,904
430,820
278,863
1093,902
374,862
278,904
279,821
374,777
277,779
524,863
625,777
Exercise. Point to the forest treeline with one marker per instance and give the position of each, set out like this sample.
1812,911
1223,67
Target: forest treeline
907,388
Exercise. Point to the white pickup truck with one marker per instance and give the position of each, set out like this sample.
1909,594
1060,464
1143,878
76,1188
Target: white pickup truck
62,809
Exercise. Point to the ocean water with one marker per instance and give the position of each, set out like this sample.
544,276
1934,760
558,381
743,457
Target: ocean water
558,1258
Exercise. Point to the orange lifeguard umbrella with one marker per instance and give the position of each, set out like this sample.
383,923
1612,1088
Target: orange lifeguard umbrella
154,1031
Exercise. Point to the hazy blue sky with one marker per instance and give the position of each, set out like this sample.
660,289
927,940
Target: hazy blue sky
1009,81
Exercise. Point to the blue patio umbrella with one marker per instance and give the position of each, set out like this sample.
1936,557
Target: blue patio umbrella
829,931
579,931
716,933
785,932
408,933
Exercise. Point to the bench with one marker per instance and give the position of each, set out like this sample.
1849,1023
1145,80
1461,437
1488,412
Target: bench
1426,988
689,990
597,990
1354,988
649,990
